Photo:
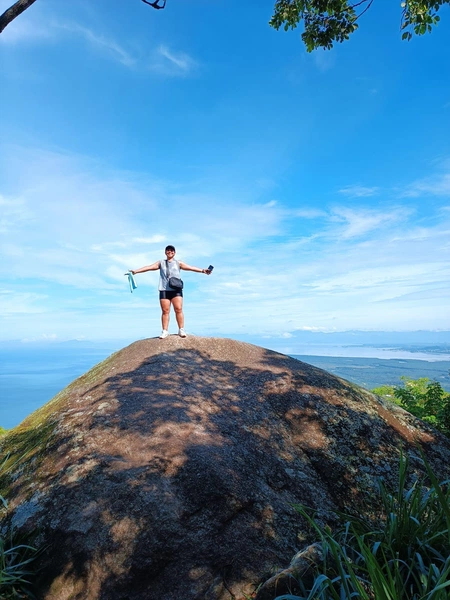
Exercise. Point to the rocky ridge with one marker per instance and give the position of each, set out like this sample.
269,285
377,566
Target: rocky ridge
170,470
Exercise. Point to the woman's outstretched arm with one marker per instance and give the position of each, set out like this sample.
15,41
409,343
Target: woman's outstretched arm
186,267
153,267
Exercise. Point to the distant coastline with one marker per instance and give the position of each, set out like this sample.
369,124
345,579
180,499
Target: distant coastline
374,372
423,349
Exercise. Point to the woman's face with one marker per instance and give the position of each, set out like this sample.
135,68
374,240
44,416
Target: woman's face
170,254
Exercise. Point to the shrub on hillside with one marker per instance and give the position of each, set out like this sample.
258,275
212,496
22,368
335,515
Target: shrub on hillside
423,398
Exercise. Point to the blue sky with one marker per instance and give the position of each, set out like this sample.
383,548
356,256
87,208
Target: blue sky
318,185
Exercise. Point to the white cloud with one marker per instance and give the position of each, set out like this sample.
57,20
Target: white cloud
309,213
154,239
388,277
101,42
13,213
34,26
359,222
359,191
437,185
74,236
18,303
173,63
324,60
129,243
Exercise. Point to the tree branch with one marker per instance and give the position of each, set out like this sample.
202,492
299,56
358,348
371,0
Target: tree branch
14,11
156,4
365,10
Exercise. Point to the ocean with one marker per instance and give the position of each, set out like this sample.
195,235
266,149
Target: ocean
31,374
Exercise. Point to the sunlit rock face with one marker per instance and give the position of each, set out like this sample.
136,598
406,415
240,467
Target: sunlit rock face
170,470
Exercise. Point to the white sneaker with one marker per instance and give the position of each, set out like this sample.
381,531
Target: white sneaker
181,332
164,334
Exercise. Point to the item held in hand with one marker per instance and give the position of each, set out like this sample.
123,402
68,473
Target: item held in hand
131,281
210,268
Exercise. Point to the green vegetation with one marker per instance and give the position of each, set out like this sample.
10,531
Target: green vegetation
329,21
15,559
15,569
423,398
404,557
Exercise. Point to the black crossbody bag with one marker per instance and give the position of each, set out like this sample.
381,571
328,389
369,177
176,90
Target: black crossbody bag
174,282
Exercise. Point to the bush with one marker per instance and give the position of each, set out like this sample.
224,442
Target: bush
424,399
405,558
15,559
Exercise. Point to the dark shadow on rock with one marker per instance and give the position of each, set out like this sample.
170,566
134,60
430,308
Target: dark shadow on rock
171,469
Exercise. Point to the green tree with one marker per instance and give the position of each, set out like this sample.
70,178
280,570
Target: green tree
412,395
423,398
329,21
385,391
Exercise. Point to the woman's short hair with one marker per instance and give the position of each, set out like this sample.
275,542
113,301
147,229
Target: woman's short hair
170,248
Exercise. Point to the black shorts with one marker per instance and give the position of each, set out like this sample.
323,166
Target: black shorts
170,294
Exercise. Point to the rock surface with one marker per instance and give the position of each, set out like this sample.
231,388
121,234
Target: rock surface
169,471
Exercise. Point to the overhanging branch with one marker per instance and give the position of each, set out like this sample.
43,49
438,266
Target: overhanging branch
18,7
14,11
156,4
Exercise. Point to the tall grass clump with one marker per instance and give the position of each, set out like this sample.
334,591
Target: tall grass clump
15,561
406,557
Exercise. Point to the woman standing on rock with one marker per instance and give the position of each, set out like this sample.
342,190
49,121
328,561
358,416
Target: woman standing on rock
169,269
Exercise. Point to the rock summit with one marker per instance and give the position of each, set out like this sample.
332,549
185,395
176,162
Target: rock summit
169,471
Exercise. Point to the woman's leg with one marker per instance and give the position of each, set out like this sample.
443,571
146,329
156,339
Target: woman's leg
165,308
177,303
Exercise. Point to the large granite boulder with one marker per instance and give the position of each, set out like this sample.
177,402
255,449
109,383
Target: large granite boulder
170,470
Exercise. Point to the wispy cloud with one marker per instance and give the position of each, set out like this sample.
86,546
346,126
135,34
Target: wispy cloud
359,222
162,60
173,63
14,213
76,236
359,191
310,213
13,302
115,246
101,42
324,60
438,185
